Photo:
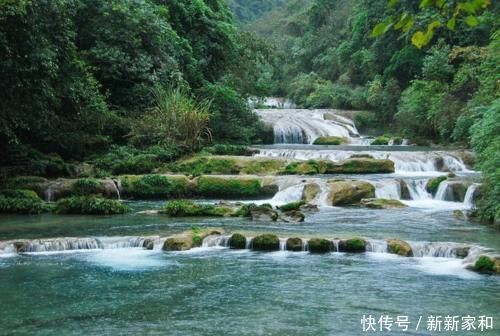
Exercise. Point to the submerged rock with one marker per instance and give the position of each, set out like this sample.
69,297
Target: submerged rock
458,214
399,247
266,242
263,214
349,192
381,203
237,241
293,216
148,244
405,190
294,244
353,245
319,245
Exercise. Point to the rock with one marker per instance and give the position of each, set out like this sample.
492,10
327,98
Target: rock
318,245
179,243
381,203
237,241
462,252
360,166
263,214
487,265
349,192
266,242
148,244
309,208
405,190
330,140
433,184
311,190
468,158
294,244
353,245
359,156
399,247
458,214
291,206
457,190
293,216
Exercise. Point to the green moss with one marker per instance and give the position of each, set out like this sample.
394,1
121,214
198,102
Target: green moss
155,186
354,245
380,141
318,245
484,265
309,167
184,208
223,149
227,165
361,166
266,242
20,194
208,186
433,184
86,186
382,203
330,140
26,182
90,205
237,241
292,206
397,141
294,244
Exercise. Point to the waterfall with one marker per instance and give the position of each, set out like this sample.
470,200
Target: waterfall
469,195
404,161
117,189
215,241
377,246
305,245
305,126
248,243
436,250
48,194
388,189
336,243
417,189
289,194
444,193
283,244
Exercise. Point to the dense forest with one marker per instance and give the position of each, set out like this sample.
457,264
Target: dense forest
123,80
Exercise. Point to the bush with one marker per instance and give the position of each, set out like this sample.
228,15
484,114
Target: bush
221,187
86,186
155,186
221,149
26,182
90,205
184,208
22,202
380,141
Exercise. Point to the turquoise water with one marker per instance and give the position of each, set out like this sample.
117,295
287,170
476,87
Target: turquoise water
216,291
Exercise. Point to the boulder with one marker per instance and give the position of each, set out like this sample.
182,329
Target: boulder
458,214
462,251
360,166
311,191
487,265
266,242
148,244
353,245
405,190
433,184
349,192
293,216
319,245
381,203
263,214
399,247
182,242
294,244
330,140
237,241
457,190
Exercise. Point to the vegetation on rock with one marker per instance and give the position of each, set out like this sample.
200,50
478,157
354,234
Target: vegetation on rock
266,242
318,245
90,205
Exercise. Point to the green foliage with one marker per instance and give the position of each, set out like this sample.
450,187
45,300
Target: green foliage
237,241
292,206
183,208
175,120
382,140
484,264
25,182
155,186
317,245
330,140
20,202
86,186
223,149
433,184
247,11
90,205
237,188
20,194
266,242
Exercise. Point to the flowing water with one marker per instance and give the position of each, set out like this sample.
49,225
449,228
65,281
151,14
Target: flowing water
73,275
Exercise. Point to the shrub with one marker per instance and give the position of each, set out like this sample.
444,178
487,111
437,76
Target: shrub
86,186
155,186
221,187
184,208
25,204
207,165
90,205
26,182
380,141
484,265
20,194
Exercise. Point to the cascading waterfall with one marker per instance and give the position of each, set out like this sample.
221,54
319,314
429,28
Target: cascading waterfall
304,126
388,189
439,250
444,193
288,194
404,162
469,195
117,188
376,246
417,189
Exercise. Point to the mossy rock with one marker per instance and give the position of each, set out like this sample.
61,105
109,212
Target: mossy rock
210,186
311,191
266,242
361,156
185,208
319,245
349,192
397,141
294,244
263,213
399,247
155,186
293,216
458,214
405,190
360,166
330,140
380,141
148,244
187,240
487,265
381,203
237,241
353,245
457,190
433,184
291,206
228,165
